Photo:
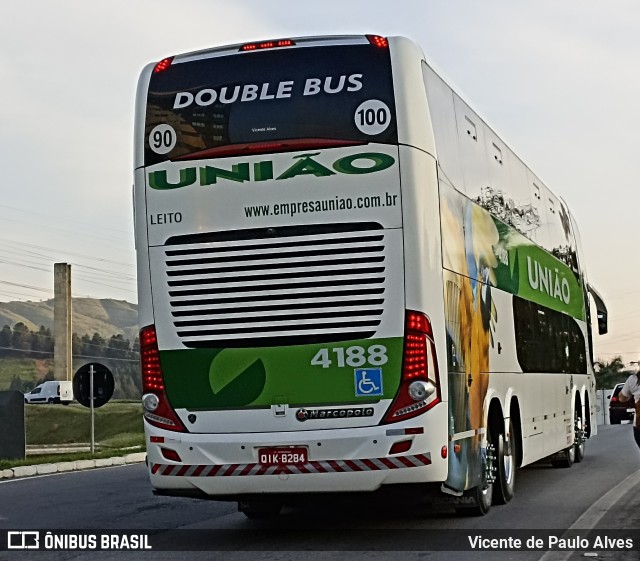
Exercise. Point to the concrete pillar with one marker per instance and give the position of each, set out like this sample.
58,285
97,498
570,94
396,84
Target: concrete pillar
62,361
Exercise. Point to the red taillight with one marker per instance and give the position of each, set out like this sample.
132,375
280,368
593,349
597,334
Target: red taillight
161,414
378,41
415,357
419,366
151,374
400,447
163,65
171,455
267,45
414,430
614,398
416,321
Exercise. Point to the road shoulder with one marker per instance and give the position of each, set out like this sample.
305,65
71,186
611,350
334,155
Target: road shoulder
21,472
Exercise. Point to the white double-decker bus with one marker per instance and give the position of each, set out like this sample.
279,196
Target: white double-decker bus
348,280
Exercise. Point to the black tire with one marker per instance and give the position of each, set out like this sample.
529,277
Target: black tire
481,502
565,458
260,509
51,401
504,488
482,495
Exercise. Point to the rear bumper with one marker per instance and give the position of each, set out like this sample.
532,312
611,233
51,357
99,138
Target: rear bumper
346,460
622,413
429,491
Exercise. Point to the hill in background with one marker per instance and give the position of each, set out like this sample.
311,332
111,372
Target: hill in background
90,315
104,331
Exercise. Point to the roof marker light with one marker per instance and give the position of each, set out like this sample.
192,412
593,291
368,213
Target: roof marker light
163,65
378,41
267,45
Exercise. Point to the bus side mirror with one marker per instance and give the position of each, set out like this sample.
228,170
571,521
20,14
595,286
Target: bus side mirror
603,326
601,308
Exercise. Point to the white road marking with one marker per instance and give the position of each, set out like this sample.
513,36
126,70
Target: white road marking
594,514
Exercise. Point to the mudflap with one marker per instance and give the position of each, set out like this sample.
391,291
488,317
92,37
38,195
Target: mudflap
449,498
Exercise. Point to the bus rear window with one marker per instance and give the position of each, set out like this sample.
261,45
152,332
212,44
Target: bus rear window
301,97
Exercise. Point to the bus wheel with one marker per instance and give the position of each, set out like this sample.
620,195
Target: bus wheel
260,509
506,460
482,495
565,458
580,439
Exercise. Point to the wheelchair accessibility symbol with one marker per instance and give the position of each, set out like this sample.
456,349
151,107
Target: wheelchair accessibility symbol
368,381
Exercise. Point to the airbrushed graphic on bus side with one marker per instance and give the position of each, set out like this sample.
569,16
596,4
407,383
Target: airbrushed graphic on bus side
508,261
263,170
481,256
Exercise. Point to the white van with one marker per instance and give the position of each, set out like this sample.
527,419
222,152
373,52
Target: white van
51,392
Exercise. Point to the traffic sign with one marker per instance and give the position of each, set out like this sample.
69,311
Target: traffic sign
103,384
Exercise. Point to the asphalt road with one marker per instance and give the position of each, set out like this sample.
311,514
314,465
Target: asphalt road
345,528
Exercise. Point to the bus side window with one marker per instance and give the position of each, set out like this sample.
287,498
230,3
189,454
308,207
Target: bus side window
547,340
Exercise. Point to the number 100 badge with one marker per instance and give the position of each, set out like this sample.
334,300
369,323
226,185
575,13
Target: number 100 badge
368,381
372,117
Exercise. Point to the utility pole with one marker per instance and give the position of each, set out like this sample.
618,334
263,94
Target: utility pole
62,321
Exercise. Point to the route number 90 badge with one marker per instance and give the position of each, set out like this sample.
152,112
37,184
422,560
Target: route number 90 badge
162,139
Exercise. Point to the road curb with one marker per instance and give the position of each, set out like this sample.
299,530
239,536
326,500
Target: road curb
22,472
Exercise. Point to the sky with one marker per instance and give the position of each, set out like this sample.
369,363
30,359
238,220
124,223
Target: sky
557,79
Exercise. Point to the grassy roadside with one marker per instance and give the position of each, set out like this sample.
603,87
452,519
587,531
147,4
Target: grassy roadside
28,370
71,457
117,424
118,431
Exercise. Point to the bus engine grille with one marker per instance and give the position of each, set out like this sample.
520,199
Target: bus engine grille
277,286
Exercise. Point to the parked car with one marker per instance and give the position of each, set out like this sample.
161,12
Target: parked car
620,411
51,392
